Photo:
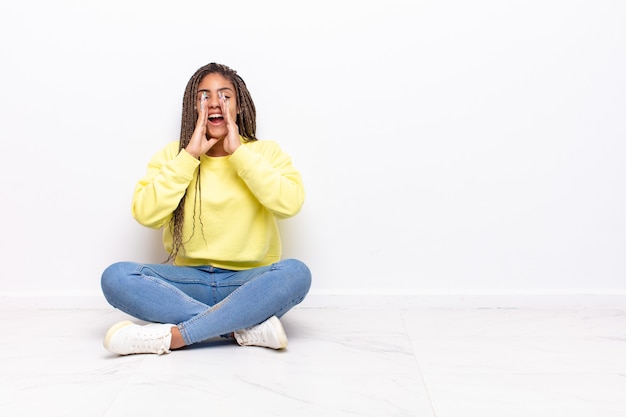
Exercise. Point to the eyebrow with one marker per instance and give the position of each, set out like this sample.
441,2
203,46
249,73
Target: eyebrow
219,89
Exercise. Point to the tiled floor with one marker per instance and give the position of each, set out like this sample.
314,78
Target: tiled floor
340,362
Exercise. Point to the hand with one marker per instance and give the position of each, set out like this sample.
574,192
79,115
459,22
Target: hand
199,144
231,141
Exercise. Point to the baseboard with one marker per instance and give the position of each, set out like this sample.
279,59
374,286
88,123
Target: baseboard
466,300
367,300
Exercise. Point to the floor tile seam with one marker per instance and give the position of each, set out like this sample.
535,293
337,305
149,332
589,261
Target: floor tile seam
114,398
417,364
470,338
541,374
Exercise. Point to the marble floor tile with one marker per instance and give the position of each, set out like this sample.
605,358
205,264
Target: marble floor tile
340,362
527,395
522,362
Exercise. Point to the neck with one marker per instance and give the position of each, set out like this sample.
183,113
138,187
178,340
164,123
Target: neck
217,149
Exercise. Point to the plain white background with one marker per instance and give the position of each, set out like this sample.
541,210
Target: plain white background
447,147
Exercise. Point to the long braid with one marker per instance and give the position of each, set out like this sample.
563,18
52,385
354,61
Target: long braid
246,122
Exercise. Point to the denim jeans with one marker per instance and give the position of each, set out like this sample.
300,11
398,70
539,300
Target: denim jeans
205,302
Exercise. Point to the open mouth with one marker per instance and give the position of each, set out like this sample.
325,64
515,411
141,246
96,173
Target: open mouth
216,118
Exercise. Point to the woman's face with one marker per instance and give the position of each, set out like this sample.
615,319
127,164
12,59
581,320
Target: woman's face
216,86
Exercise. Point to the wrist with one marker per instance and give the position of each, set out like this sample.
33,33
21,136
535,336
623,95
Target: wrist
192,152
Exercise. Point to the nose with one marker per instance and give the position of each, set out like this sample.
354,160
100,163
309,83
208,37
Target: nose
213,100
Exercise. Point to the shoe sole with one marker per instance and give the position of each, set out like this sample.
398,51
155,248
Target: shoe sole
113,330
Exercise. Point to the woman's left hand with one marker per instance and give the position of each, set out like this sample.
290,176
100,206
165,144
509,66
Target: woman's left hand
231,141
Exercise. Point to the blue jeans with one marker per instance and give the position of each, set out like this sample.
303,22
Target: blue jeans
205,302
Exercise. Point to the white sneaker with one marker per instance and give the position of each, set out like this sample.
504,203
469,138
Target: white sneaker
269,334
126,338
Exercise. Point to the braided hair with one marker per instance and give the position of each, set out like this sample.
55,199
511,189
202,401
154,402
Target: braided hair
246,122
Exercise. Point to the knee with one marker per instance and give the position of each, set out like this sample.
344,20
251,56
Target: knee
300,274
114,276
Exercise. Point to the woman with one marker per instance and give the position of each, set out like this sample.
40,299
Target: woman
217,193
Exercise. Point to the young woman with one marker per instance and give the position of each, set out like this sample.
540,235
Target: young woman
217,193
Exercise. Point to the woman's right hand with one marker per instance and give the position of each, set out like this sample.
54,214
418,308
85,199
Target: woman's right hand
199,144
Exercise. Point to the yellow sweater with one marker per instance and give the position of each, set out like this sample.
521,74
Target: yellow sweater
231,222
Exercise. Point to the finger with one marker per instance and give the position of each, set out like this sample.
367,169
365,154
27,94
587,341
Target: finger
202,114
225,106
212,141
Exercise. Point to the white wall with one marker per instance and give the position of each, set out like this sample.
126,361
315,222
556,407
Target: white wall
447,146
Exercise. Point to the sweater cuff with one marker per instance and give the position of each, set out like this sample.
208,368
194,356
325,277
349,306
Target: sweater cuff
186,162
240,156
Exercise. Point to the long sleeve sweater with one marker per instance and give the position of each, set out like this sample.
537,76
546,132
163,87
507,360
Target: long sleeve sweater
230,219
